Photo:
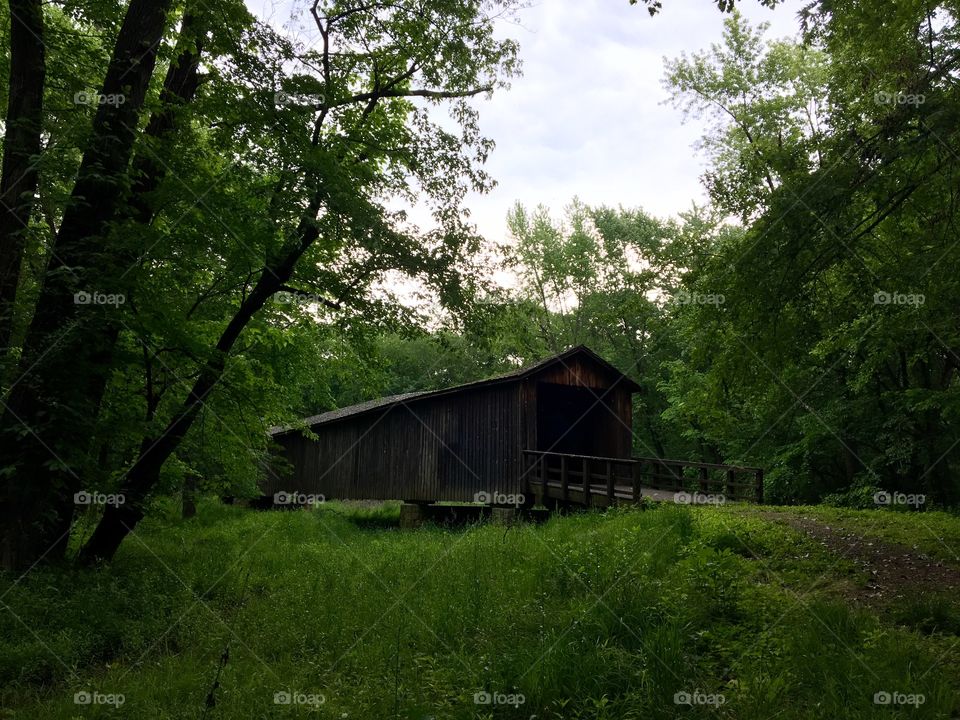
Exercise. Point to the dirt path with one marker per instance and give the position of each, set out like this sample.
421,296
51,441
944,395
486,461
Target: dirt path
894,571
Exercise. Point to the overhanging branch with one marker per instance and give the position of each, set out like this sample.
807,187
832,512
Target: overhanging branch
388,93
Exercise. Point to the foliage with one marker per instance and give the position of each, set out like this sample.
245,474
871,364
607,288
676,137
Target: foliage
832,360
254,225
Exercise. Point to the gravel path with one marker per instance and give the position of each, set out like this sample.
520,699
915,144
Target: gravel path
893,570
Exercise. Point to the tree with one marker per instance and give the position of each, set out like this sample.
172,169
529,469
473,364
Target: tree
306,149
833,360
21,146
598,277
655,6
765,103
37,513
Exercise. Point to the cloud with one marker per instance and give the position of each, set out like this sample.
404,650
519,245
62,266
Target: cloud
587,117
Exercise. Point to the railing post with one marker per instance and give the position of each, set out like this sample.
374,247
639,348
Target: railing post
636,480
543,478
759,487
609,483
585,464
728,486
704,480
564,479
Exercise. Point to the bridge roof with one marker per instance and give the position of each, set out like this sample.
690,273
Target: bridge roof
512,376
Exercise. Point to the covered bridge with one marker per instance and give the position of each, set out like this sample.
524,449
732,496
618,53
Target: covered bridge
559,431
458,443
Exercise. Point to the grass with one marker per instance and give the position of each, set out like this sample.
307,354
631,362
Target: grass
935,533
586,616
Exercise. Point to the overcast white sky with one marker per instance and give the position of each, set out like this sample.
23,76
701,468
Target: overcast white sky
587,117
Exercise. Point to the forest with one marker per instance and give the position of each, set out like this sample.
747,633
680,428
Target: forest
209,228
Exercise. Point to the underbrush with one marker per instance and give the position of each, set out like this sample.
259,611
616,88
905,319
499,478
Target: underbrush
628,614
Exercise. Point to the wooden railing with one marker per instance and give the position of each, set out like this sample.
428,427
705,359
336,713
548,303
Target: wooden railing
734,482
581,473
623,478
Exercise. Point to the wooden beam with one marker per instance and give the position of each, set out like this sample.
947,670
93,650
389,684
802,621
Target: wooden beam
564,479
586,481
543,478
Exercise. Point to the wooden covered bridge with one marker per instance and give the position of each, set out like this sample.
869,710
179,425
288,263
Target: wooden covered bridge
555,433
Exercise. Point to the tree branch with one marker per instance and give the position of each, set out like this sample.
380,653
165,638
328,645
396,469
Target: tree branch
377,94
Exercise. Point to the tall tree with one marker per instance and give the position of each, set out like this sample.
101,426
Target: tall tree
21,148
365,140
51,397
834,359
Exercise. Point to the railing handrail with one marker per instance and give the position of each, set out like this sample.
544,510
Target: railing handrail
696,464
658,461
674,473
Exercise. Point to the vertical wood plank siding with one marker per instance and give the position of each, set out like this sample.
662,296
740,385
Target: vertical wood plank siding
449,446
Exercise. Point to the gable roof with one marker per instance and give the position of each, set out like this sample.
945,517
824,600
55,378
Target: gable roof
512,376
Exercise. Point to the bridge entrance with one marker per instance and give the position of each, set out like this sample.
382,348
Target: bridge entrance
575,420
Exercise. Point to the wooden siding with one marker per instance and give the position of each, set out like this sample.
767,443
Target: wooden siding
612,393
451,446
579,371
444,448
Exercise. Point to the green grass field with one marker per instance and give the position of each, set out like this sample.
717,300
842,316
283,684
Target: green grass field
620,615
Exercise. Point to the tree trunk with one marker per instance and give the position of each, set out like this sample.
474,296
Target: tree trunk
18,177
118,522
179,88
189,497
67,350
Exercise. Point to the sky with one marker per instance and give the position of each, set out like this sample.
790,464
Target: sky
587,118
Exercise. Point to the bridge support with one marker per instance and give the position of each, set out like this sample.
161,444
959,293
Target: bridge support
413,514
504,515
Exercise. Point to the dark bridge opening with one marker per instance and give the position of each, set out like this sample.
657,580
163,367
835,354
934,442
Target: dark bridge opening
574,420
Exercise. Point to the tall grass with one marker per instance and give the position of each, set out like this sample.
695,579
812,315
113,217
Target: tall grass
586,616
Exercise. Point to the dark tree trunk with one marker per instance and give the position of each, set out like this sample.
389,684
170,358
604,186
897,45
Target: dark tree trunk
118,522
189,497
21,147
654,436
179,88
67,349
